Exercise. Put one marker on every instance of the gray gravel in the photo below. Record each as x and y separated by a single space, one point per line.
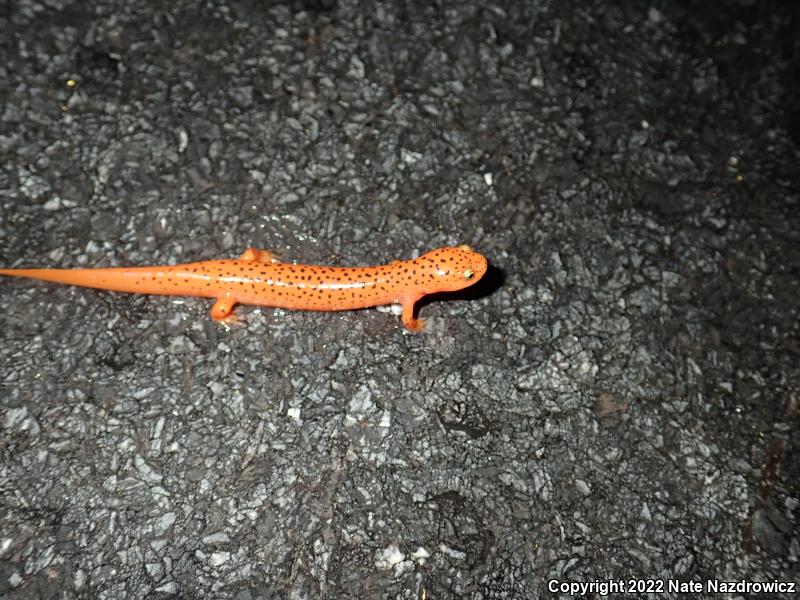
619 400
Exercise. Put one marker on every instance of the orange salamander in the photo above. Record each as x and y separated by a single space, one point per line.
258 277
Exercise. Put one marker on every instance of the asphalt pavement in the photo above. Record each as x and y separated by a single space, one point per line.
615 404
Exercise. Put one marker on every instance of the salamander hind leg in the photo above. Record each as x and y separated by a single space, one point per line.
409 321
262 256
222 311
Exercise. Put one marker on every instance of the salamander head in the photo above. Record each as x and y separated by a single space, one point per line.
453 268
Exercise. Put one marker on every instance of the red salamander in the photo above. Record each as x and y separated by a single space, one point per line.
258 277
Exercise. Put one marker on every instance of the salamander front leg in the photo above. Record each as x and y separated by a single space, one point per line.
222 311
262 256
409 321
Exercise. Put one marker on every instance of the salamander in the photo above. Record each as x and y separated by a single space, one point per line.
258 277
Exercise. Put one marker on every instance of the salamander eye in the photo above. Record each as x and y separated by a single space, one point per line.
468 274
